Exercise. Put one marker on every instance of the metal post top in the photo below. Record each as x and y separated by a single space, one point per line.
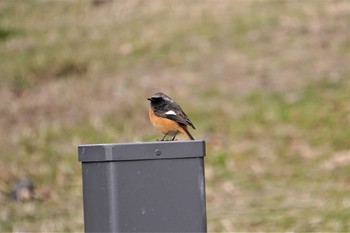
141 151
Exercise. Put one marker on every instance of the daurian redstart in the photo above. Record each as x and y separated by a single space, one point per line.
168 117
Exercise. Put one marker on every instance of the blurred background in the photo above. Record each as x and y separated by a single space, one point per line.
266 83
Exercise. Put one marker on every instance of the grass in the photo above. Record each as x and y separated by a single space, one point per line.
283 161
265 82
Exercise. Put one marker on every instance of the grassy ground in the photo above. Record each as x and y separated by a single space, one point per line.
265 82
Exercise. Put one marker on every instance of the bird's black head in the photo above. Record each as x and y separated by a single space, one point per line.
159 99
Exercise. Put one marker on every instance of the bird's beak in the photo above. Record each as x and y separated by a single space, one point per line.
149 99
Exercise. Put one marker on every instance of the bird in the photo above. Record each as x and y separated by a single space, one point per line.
23 190
168 117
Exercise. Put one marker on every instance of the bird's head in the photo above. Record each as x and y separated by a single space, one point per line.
159 98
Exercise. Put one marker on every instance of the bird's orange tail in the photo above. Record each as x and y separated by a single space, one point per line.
186 133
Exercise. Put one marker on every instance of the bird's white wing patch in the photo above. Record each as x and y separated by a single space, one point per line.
170 112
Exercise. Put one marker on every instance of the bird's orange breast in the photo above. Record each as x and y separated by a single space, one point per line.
164 125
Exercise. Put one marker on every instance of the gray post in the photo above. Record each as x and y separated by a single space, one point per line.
144 187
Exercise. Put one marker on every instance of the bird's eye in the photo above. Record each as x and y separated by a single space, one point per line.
157 99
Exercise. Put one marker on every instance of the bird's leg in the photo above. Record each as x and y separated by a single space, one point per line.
173 138
164 137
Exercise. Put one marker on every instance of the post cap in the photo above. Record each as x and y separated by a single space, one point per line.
141 151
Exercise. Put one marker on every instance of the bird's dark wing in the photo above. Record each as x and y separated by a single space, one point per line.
174 112
181 118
